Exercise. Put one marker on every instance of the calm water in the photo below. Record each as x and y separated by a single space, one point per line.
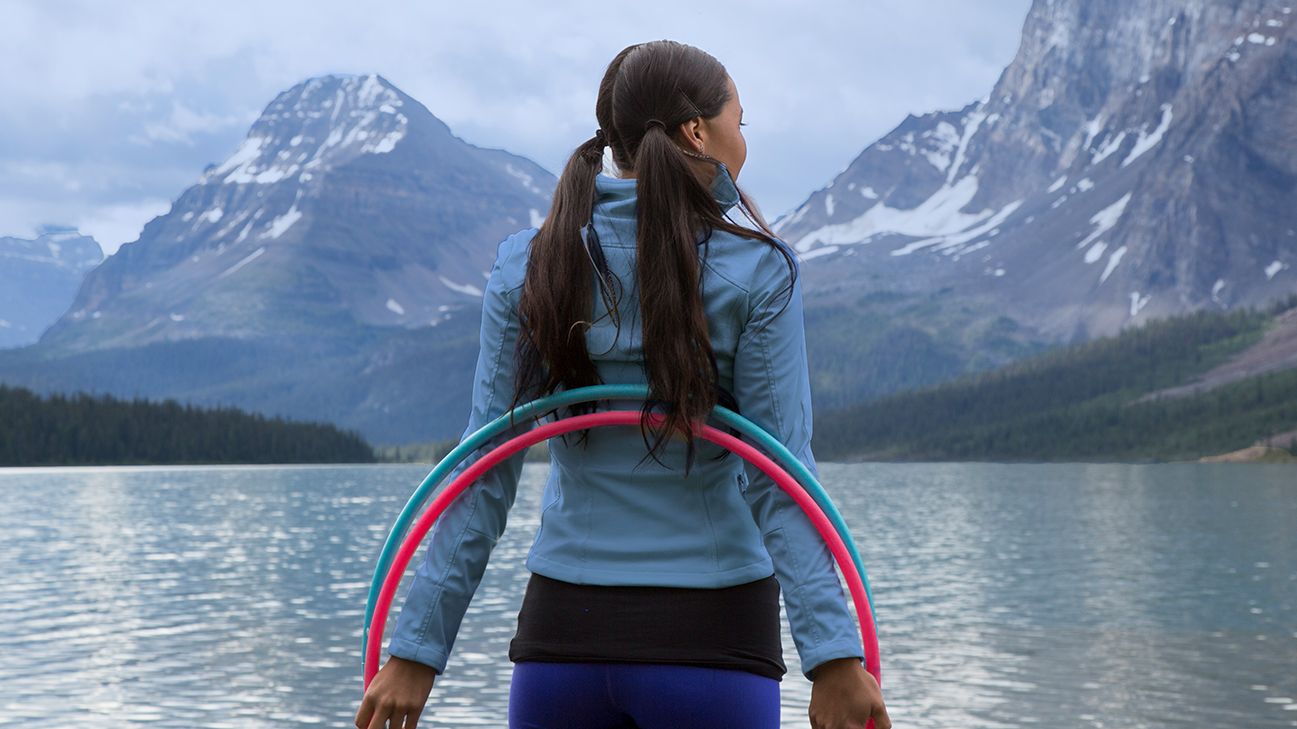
1007 595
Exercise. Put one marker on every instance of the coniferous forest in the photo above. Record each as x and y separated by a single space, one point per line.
1084 402
83 430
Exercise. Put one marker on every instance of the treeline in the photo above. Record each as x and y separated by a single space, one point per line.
1079 402
96 430
433 452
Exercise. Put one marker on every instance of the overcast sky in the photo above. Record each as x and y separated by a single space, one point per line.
111 109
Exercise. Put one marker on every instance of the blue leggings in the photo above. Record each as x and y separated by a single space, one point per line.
545 695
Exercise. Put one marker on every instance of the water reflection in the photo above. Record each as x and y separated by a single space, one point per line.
1008 596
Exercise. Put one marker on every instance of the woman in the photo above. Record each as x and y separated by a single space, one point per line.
653 600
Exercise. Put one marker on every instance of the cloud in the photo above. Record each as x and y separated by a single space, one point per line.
181 124
124 103
112 226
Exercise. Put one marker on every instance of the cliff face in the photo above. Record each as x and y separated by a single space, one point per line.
1135 160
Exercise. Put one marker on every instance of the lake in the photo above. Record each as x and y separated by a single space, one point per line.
1058 595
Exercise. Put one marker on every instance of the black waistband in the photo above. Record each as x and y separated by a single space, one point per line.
730 627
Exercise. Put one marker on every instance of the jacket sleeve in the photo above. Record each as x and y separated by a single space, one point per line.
464 536
772 389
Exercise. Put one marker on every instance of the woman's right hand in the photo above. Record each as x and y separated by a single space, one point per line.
397 694
846 696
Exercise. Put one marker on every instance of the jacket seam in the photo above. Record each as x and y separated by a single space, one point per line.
711 527
708 265
445 574
763 337
589 527
459 541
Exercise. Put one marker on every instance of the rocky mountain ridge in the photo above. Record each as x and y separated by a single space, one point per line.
1134 161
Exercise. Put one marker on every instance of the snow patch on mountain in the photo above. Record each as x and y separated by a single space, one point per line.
469 289
1108 148
1113 260
1216 289
281 224
950 243
939 215
1104 220
527 180
821 251
1095 252
1092 130
1138 302
243 262
1149 140
971 124
944 139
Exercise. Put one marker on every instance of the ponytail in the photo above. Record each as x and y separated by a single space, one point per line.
648 91
553 310
679 360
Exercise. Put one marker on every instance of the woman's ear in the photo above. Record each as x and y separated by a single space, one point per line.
695 134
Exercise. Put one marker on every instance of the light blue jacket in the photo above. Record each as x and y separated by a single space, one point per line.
606 521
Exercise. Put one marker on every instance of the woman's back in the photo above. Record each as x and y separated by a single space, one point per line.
612 516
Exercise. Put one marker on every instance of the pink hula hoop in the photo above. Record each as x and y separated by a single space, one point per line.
618 417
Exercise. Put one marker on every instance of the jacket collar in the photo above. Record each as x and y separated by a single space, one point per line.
615 196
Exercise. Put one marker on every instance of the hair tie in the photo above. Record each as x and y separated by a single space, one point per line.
654 123
600 139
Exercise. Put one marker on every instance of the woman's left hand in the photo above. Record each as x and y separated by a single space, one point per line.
845 696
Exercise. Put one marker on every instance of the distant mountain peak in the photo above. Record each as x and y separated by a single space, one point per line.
57 232
39 278
60 246
316 124
347 205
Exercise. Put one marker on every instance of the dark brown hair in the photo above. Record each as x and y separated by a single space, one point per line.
676 212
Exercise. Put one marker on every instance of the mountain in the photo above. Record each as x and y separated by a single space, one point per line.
38 279
331 268
347 205
1134 161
